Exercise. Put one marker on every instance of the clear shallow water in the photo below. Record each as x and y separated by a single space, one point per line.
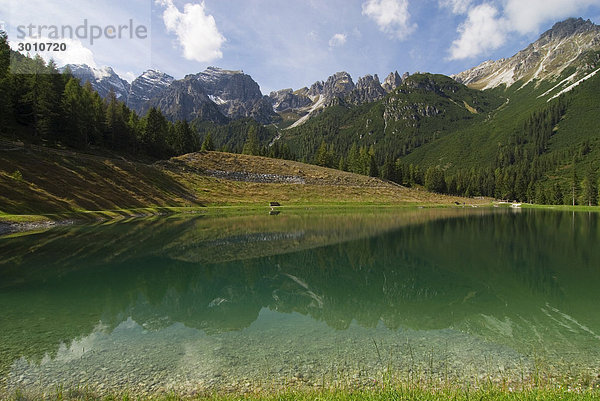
198 303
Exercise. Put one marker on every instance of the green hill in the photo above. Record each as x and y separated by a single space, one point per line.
64 184
424 108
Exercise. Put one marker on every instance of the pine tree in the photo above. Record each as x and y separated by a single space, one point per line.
207 144
252 145
75 123
435 181
45 101
115 123
4 55
182 138
373 168
574 183
321 157
6 111
388 171
353 159
155 132
590 187
98 123
558 194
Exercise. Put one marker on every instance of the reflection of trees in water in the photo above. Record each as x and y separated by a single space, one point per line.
439 274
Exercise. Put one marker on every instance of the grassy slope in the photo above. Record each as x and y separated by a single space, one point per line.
581 123
475 146
39 180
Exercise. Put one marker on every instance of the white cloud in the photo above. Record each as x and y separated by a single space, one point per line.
481 32
527 16
487 26
457 6
196 31
339 39
391 16
76 52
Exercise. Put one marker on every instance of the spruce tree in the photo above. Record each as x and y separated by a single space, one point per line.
574 183
155 132
353 159
6 111
590 187
75 124
207 144
252 145
321 157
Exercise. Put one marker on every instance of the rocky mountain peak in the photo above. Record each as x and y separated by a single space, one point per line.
338 85
148 85
367 80
367 89
392 81
212 74
228 84
569 27
286 99
103 79
155 75
562 46
214 94
316 89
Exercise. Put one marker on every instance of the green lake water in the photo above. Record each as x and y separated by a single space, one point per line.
305 299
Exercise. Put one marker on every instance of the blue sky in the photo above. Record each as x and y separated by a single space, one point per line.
294 43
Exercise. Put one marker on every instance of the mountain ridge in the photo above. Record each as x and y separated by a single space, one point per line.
232 92
235 94
545 59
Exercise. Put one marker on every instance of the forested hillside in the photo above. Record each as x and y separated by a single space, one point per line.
42 106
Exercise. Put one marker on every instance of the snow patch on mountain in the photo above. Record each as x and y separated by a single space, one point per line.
573 86
315 107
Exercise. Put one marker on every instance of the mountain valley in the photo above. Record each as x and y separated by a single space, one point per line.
522 128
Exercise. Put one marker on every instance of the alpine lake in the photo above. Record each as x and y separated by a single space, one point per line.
315 298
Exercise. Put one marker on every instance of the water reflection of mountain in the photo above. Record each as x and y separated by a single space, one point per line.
511 278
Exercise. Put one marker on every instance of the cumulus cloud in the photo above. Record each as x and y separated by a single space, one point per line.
339 39
482 31
196 31
76 52
457 6
527 16
488 25
391 16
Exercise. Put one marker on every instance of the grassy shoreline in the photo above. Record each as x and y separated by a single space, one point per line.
399 392
28 222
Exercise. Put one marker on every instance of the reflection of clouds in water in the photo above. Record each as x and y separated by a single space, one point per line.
89 343
502 327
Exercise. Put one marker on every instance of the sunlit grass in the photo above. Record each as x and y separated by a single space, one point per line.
58 185
392 393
